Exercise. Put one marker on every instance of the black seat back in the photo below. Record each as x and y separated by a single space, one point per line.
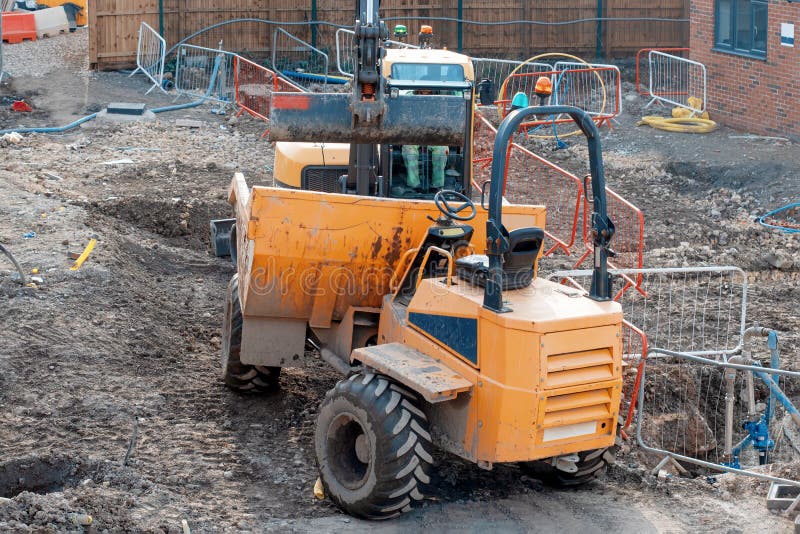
524 247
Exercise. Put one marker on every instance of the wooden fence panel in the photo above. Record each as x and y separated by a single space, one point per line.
114 25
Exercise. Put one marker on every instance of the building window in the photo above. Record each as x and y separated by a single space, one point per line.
741 27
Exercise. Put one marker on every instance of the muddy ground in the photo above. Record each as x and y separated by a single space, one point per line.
129 343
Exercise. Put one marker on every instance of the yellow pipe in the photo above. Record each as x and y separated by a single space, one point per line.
84 255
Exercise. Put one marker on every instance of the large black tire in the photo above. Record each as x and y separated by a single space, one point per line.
238 376
590 465
373 447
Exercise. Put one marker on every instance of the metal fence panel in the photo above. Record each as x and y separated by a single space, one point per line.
693 310
497 70
298 60
703 412
597 89
675 80
197 69
643 65
345 51
150 56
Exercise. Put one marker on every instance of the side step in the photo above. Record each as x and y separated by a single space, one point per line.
423 374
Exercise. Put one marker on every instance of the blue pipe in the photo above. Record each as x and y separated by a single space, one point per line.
779 394
52 129
202 99
786 229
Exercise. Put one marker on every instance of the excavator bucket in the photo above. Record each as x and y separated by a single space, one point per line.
407 119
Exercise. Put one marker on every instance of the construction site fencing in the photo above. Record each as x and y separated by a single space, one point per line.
676 80
708 414
346 50
595 89
254 85
643 66
531 179
483 136
694 310
628 240
197 69
150 56
298 60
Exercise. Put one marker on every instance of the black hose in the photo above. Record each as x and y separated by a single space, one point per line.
14 261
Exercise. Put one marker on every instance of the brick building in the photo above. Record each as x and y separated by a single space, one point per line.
752 61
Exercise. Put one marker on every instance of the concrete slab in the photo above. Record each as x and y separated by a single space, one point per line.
104 119
126 108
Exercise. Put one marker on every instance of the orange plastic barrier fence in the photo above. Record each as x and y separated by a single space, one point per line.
643 66
18 26
254 87
634 353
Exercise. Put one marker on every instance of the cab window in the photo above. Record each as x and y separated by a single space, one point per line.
428 71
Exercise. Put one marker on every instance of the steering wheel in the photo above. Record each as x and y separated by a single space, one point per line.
443 205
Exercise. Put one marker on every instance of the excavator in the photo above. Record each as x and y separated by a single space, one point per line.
421 99
431 311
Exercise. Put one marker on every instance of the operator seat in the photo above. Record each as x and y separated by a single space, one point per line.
519 262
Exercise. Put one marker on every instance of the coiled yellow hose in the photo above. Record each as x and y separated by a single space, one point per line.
680 124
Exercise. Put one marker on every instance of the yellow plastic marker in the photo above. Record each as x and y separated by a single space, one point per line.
84 255
34 271
319 492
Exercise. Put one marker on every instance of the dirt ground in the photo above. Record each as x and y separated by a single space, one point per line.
128 345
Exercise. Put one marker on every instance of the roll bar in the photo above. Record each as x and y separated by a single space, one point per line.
602 227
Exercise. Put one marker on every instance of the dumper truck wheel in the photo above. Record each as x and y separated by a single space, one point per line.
373 447
238 376
590 465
